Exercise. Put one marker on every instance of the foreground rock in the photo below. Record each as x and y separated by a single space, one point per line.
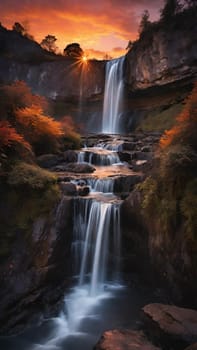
124 340
75 168
171 324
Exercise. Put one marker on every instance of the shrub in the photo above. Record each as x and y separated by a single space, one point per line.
42 132
71 137
30 176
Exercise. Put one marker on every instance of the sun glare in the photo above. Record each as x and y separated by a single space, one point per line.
84 59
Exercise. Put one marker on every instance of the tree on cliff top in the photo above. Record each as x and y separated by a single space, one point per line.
73 50
22 29
170 9
48 43
144 23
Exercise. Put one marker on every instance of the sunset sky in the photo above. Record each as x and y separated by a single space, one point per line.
99 26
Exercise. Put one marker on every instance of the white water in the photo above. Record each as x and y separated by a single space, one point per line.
113 96
98 156
101 185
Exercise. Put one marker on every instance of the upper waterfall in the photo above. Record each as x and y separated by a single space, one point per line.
113 96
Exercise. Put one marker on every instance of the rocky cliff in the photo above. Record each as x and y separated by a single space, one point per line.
34 275
50 75
165 53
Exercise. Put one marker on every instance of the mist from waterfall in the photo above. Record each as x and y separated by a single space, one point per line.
113 96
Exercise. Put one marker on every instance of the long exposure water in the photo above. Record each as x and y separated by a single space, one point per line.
113 96
98 299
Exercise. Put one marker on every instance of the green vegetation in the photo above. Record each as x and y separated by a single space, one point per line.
27 191
30 176
160 121
170 194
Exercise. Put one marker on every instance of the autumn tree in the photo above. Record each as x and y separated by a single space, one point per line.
48 43
73 50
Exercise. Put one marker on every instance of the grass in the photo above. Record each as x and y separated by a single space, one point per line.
160 121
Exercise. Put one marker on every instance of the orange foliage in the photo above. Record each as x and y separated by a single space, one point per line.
186 129
9 136
18 95
39 130
36 124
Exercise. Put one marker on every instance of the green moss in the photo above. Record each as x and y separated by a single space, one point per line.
30 176
160 121
31 193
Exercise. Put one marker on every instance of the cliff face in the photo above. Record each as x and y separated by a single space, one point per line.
164 54
34 275
47 74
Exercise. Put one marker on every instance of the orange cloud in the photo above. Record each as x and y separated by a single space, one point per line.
100 26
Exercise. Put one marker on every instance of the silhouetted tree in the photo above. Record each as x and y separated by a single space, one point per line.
170 9
129 45
73 50
144 23
22 29
48 43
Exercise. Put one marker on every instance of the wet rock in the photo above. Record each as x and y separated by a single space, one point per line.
124 184
70 156
75 168
68 188
124 156
147 148
49 160
124 340
140 165
128 146
83 190
172 324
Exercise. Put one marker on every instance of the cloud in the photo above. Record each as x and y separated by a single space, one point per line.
100 25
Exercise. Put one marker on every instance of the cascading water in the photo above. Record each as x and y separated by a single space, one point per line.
98 156
113 96
101 185
96 224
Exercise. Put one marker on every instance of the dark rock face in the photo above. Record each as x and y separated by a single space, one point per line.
124 340
34 277
160 57
47 74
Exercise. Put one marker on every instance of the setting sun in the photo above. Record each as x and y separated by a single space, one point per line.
84 59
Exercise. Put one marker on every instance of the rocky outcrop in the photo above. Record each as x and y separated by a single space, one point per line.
170 324
36 272
124 340
165 326
164 54
75 168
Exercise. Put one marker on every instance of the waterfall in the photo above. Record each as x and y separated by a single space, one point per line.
101 185
113 96
96 233
98 156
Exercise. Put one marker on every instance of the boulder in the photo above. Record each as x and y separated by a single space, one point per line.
83 190
124 340
128 146
70 156
49 160
75 168
172 324
68 188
